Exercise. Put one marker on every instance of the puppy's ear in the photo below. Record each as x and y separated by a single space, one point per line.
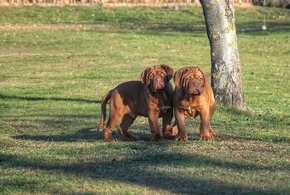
144 77
168 70
204 75
178 76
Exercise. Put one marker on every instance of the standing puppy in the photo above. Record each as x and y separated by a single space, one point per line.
151 97
193 96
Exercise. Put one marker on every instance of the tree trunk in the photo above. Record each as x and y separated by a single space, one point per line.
225 61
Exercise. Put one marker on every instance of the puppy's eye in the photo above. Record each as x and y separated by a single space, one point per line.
151 76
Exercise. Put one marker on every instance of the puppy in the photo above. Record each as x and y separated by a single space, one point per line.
151 97
193 96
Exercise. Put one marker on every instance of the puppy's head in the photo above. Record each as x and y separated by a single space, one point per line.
156 77
191 80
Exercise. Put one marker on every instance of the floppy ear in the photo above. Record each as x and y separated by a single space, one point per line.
168 70
178 76
204 75
144 77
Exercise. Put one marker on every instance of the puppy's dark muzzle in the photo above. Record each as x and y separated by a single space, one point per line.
159 84
193 92
194 88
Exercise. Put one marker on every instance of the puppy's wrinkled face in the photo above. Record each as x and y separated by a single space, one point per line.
158 80
193 82
157 77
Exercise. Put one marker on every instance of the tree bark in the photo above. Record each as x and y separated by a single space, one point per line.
225 61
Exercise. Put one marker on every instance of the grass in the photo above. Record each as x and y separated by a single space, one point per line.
57 63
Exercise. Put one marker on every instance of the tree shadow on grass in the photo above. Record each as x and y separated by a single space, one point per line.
255 28
90 134
153 170
29 98
87 134
142 131
273 139
199 28
248 120
250 28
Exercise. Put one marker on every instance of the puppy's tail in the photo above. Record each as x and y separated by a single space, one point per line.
105 100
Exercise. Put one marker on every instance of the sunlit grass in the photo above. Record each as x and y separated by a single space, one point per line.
54 74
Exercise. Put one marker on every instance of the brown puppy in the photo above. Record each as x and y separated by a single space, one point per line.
151 97
193 96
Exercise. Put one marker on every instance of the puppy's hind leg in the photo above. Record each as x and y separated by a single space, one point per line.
112 122
127 121
116 114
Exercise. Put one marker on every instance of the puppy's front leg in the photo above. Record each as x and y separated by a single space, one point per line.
169 131
180 119
153 122
206 133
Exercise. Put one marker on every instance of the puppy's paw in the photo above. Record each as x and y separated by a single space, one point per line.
206 136
110 139
183 137
156 138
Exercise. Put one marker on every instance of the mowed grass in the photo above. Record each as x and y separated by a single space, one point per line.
57 63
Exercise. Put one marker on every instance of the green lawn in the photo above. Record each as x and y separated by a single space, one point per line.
57 63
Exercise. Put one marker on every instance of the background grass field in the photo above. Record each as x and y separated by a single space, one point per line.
57 63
